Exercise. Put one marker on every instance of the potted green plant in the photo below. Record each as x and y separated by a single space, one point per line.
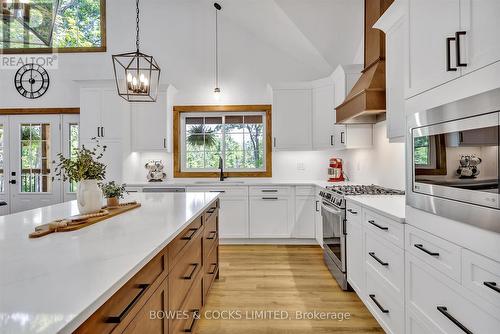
85 168
113 192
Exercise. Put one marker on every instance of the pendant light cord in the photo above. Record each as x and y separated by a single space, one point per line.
216 49
137 25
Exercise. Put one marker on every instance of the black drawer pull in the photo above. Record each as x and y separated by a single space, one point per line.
217 191
444 311
190 276
270 198
196 316
212 235
118 319
353 212
421 247
377 225
492 285
212 210
372 254
372 297
214 265
269 190
189 235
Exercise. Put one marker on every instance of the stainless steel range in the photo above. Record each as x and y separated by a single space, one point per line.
333 211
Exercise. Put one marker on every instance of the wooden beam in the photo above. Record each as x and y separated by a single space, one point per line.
38 111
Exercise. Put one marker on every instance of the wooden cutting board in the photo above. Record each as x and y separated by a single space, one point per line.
74 223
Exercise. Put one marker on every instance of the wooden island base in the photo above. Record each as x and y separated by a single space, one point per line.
168 293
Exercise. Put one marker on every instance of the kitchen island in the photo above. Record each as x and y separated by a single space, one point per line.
63 282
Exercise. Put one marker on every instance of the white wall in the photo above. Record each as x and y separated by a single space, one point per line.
383 165
180 35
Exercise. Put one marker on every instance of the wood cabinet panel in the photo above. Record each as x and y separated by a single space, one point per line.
182 240
211 270
190 310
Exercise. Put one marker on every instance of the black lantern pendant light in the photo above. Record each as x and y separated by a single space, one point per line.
137 74
217 87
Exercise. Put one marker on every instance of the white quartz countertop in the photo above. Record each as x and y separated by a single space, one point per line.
54 283
391 206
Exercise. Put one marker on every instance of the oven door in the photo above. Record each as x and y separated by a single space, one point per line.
334 233
458 160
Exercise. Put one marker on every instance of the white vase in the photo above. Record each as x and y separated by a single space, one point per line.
89 196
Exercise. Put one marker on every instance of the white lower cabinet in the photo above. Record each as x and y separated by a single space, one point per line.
271 216
355 258
318 219
440 301
305 208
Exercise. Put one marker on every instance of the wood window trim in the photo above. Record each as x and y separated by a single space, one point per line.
440 149
102 48
39 111
178 110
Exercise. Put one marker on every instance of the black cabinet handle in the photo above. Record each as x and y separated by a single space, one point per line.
196 313
102 131
164 142
190 276
317 207
342 139
457 37
344 227
353 212
378 226
448 55
372 254
119 318
492 285
274 141
98 131
331 140
212 235
423 249
217 191
189 235
212 210
270 198
444 311
372 297
3 203
269 190
213 271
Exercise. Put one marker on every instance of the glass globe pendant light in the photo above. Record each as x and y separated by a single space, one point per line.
137 74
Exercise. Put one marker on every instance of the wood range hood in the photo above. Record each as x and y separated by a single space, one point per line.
365 103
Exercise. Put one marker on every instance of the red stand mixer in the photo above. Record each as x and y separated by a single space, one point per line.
335 171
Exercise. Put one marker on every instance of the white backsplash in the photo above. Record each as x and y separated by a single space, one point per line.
384 164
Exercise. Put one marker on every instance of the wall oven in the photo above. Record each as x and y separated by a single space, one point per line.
453 160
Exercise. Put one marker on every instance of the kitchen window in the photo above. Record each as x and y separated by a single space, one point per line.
37 26
240 137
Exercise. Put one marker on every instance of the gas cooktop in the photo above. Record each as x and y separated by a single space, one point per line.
349 190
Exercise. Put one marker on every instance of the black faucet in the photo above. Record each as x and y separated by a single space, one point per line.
221 167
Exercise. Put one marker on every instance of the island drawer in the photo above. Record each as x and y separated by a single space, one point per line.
190 311
127 301
180 241
213 210
211 268
270 191
210 234
184 272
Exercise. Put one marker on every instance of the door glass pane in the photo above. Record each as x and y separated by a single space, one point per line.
2 185
73 149
36 162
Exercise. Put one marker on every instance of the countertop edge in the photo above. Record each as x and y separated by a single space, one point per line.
79 319
384 213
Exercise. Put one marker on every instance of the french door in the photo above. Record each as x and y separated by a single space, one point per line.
35 141
4 166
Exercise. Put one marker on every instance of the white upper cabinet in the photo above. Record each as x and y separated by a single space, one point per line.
394 24
432 58
101 114
323 117
480 46
149 124
448 39
292 119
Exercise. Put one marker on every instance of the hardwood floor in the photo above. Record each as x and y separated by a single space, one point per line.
282 278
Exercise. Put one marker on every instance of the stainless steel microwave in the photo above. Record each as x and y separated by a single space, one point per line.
453 160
